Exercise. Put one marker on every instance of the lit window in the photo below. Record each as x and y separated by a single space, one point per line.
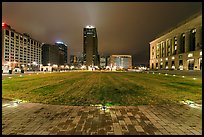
190 55
201 53
173 58
166 58
194 31
161 59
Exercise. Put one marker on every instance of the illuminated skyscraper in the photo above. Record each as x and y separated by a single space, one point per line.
90 48
64 49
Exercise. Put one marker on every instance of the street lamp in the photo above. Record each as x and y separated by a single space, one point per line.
34 64
49 66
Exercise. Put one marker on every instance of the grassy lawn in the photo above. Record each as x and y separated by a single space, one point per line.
115 88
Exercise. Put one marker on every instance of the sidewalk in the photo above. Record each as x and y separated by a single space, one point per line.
42 119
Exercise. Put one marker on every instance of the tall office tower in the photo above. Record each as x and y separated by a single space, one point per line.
63 47
90 49
50 55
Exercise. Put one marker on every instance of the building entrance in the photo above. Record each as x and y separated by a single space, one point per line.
191 64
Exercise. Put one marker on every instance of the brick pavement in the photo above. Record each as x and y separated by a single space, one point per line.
42 119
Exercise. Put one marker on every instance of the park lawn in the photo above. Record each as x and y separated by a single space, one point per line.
110 88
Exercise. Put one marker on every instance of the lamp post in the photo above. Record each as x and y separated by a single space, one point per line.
34 65
29 66
48 66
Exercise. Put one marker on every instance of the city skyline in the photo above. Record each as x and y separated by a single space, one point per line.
123 28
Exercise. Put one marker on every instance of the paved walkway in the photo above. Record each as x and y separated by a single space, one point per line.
41 119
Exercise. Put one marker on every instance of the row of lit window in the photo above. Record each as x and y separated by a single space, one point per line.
17 37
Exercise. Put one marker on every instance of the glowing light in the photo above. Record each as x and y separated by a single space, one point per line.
173 58
89 27
59 42
194 78
3 24
34 63
48 64
161 59
83 67
159 73
190 55
71 67
174 75
166 58
183 76
201 53
166 74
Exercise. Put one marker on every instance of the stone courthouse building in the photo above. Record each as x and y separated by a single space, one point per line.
180 48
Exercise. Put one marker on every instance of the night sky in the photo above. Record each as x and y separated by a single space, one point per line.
122 28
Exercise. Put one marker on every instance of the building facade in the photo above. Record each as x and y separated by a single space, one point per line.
51 55
103 62
19 50
73 60
90 47
64 49
121 61
180 48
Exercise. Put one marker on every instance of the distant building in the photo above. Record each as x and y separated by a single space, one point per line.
121 61
103 62
180 48
73 59
19 50
64 49
51 55
90 47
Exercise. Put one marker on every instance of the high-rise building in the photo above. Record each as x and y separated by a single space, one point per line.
63 47
51 55
121 61
90 47
180 48
19 50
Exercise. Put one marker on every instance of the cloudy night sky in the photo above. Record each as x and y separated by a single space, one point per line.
122 27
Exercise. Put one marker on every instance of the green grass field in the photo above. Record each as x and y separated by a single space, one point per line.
91 88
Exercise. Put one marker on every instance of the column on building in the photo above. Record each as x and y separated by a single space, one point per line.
172 46
166 46
160 50
178 43
187 41
198 38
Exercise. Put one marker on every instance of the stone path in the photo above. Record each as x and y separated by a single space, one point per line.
41 119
